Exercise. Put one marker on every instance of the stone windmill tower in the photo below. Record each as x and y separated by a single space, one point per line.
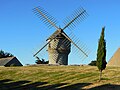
59 43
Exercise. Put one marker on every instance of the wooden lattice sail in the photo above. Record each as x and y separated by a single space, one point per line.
59 43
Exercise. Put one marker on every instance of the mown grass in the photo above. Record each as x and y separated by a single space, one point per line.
58 78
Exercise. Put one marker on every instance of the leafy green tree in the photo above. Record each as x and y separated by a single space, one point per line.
38 61
101 53
5 54
92 63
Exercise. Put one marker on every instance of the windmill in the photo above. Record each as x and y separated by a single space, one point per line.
59 43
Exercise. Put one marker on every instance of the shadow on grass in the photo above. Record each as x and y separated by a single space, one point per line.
106 87
77 86
8 84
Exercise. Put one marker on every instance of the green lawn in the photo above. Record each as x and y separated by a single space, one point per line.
58 78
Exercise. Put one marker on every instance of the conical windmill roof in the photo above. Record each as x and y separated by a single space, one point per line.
115 59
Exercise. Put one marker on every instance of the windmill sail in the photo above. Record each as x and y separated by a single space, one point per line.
75 44
79 15
45 17
59 43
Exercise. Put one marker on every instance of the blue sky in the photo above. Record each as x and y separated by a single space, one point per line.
22 33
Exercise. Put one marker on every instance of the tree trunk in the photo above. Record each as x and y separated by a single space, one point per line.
100 75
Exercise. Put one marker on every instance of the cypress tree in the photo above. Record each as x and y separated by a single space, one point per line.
101 53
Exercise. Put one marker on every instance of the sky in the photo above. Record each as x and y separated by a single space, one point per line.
22 33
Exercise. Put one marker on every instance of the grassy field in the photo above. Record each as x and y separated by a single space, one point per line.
58 78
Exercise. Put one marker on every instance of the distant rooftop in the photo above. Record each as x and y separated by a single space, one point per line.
9 60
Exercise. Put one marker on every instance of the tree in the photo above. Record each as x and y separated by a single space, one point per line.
38 61
42 61
92 63
101 53
5 54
